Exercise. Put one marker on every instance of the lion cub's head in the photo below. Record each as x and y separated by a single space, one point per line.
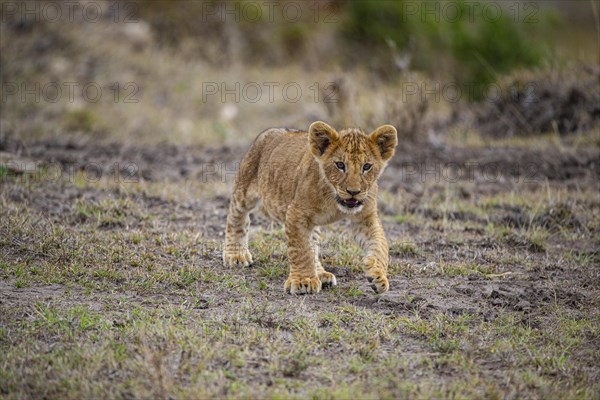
351 161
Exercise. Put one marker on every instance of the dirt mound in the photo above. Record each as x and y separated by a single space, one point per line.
531 103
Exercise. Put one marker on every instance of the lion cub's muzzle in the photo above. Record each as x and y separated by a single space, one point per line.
350 203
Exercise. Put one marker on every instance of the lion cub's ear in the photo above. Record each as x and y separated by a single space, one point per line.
320 137
385 138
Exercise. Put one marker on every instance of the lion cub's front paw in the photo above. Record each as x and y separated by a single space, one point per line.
302 285
241 257
327 279
379 282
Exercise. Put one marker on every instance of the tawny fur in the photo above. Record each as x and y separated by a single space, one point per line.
297 176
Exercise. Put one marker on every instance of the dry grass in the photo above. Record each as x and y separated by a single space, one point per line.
114 288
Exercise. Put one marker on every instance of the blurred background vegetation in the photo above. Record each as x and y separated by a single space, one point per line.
354 61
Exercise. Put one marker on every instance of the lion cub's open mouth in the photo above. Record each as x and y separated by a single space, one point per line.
350 203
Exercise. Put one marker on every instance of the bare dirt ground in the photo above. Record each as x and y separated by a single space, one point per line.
111 281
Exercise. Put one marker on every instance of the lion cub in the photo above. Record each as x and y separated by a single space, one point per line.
308 179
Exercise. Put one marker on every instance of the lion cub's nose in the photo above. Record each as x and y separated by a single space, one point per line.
353 192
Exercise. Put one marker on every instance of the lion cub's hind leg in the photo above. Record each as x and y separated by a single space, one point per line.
236 234
327 278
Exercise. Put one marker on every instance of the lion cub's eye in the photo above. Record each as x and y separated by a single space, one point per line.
340 165
367 167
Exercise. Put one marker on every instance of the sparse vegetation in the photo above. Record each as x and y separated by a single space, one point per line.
112 213
127 298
